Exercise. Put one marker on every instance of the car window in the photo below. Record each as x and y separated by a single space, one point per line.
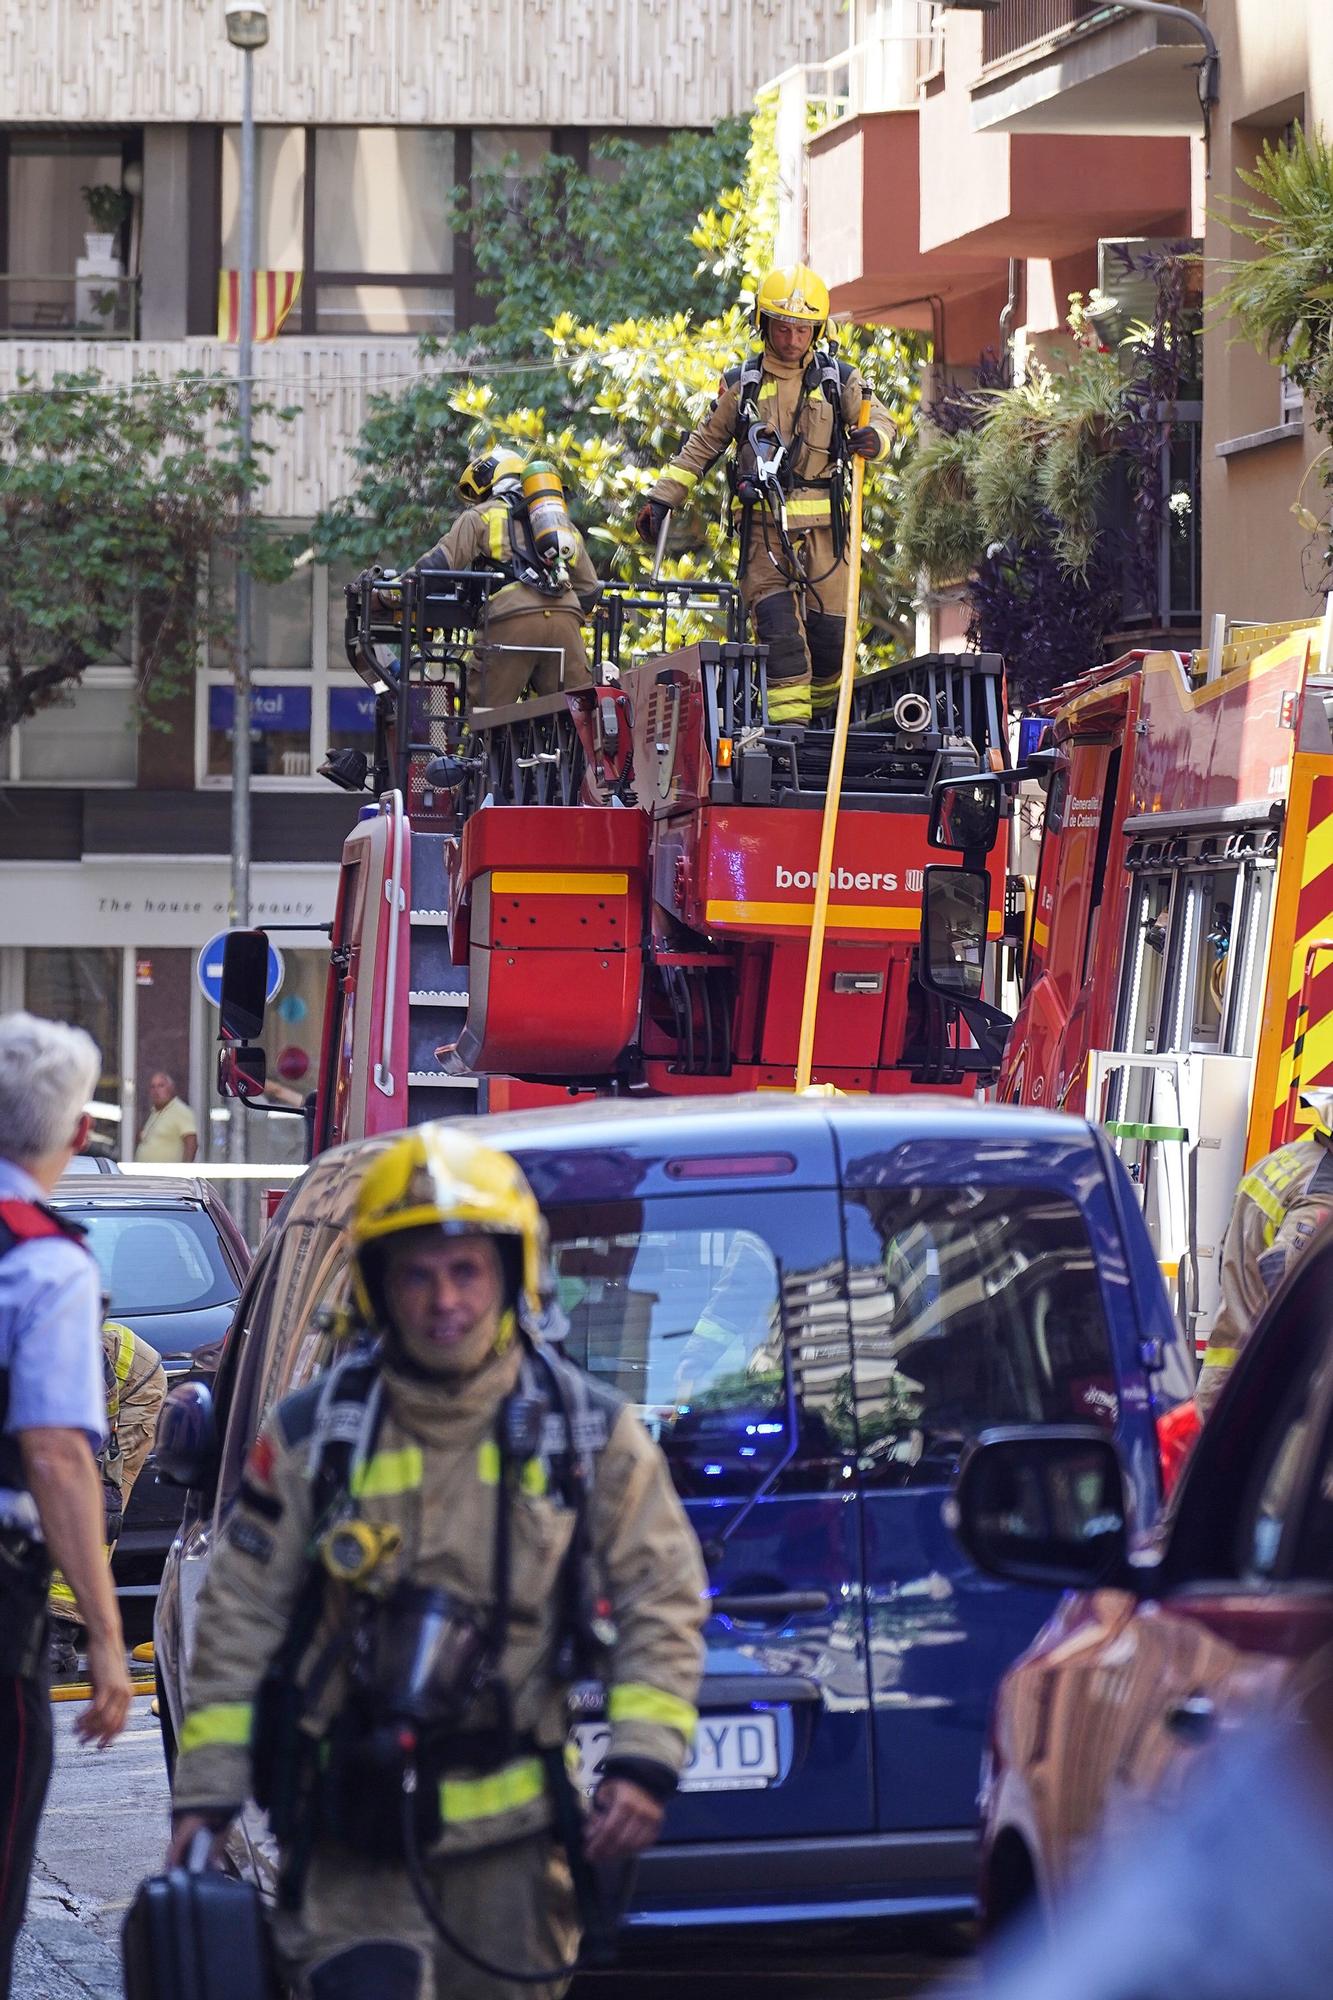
157 1260
690 1308
971 1306
311 1274
1272 1486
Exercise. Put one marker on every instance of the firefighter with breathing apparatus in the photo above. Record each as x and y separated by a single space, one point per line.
431 1544
518 525
1284 1200
790 415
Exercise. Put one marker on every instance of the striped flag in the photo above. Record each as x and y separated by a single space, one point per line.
276 292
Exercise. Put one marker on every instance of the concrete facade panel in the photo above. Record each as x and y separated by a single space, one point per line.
429 62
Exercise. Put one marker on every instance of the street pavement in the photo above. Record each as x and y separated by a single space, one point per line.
105 1828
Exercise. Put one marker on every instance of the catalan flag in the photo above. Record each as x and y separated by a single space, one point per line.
276 292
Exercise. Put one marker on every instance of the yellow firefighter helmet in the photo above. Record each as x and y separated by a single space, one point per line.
792 292
437 1178
482 475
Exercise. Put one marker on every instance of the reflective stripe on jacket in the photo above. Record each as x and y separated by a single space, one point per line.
1281 1203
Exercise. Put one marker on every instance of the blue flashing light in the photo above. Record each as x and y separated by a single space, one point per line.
747 1451
769 1430
712 1471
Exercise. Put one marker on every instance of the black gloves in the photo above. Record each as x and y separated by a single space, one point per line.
864 441
648 521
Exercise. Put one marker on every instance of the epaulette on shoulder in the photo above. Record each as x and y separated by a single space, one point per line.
295 1414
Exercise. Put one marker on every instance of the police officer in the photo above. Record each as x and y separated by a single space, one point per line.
1281 1203
533 633
482 1517
52 1419
135 1383
792 415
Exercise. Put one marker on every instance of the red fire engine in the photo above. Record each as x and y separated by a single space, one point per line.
1179 976
611 889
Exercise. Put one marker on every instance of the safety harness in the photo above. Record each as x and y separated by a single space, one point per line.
762 474
549 1434
512 548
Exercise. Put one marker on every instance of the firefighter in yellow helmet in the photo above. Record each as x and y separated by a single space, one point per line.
533 636
1283 1201
136 1385
430 1546
790 417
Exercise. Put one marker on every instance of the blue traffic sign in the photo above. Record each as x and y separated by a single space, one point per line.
208 969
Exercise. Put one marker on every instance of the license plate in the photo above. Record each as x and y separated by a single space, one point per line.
730 1753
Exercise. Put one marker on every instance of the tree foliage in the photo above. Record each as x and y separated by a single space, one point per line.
1281 298
1010 492
111 502
659 306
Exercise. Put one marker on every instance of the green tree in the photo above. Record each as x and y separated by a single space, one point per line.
112 500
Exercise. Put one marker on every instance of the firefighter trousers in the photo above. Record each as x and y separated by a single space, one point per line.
541 650
802 628
361 1934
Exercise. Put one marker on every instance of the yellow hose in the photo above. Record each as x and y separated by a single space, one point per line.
833 797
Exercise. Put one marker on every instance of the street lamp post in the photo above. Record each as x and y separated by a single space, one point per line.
247 30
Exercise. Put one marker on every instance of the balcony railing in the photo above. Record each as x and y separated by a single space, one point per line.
1016 23
61 306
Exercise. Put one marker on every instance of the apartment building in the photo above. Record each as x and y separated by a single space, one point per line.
977 162
113 842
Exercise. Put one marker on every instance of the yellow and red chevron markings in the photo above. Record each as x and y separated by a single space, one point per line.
1307 1019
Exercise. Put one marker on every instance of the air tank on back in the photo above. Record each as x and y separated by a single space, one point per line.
548 516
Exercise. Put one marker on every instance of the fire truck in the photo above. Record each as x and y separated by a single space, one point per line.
1178 983
610 889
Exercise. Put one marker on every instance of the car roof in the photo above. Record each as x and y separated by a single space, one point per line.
131 1190
636 1135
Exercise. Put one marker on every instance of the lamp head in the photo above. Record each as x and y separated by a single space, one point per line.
247 23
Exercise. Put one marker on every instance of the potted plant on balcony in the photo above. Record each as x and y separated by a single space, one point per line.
107 208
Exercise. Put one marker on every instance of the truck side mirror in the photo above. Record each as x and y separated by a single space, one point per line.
186 1452
965 814
242 1072
955 905
244 986
1045 1507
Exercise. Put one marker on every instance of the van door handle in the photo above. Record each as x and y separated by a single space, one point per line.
1193 1719
771 1606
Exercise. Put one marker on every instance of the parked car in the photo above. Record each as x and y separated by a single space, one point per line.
173 1263
1175 1630
814 1304
92 1163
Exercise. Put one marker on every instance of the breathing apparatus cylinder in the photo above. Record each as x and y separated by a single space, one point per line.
548 517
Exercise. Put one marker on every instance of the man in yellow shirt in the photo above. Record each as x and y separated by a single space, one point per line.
169 1134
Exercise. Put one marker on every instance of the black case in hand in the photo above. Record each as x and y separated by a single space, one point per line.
197 1936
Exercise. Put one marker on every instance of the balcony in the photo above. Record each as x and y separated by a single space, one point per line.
69 306
1081 66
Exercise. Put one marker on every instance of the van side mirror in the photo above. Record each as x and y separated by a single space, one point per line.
965 814
242 1072
1044 1507
186 1452
244 986
955 906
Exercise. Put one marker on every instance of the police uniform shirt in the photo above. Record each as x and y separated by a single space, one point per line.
50 1339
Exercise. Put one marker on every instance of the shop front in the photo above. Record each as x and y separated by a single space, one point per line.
112 944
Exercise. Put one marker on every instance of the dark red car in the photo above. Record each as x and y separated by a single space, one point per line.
1166 1640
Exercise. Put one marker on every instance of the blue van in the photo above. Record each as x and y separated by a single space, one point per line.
815 1304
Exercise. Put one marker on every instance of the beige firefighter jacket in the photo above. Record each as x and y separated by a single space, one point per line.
480 538
136 1384
799 415
1281 1203
434 1475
